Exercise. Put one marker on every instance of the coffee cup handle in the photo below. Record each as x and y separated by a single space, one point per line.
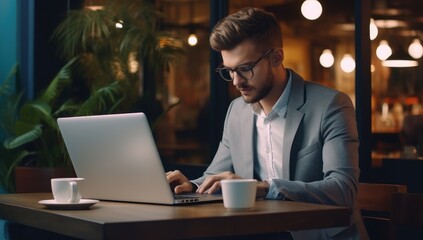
75 197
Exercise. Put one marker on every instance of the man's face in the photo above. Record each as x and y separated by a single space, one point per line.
258 87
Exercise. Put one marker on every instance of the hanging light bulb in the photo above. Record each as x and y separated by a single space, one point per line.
311 9
415 49
326 59
383 51
373 29
347 63
192 39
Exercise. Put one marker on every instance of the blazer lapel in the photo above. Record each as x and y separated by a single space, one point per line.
247 146
293 120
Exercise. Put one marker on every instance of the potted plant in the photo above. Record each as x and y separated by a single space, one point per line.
98 78
122 42
9 101
34 138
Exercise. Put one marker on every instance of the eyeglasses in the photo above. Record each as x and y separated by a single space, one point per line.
245 71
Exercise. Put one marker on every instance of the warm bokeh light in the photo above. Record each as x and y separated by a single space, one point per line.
95 7
373 29
192 39
326 59
133 64
383 51
119 24
399 59
400 63
347 63
415 49
311 9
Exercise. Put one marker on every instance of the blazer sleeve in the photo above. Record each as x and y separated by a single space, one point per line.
338 152
222 160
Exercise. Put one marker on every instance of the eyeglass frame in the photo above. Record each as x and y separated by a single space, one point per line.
236 69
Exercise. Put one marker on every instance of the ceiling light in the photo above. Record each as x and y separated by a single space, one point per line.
347 63
415 49
383 51
373 29
399 58
311 9
326 59
400 63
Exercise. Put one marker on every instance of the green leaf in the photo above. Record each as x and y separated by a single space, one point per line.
102 100
7 86
18 141
35 112
84 31
59 82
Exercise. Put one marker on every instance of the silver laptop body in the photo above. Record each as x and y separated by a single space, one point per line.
118 157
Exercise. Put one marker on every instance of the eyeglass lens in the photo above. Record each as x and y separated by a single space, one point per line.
245 72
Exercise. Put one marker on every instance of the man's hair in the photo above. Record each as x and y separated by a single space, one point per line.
253 24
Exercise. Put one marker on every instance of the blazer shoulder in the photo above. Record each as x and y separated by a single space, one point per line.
316 92
316 88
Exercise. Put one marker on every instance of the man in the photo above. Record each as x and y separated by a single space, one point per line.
299 139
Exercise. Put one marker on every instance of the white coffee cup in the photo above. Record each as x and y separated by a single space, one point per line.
239 194
65 190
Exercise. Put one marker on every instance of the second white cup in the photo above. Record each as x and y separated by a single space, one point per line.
65 190
239 194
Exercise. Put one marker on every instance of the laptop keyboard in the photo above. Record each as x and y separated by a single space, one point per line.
188 195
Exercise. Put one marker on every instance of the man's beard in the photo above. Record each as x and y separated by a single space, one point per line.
262 91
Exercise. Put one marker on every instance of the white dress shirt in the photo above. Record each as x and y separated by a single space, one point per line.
269 137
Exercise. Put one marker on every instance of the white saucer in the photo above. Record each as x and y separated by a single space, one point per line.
83 204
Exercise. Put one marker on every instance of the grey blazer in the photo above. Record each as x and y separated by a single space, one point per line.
320 153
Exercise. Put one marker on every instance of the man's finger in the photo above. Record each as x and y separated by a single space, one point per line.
214 187
182 188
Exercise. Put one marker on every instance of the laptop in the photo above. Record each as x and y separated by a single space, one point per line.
118 157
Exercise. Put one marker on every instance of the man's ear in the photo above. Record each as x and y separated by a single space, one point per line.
277 57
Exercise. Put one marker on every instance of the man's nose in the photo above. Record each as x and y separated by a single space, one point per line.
238 79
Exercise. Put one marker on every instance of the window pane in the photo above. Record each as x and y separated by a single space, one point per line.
182 135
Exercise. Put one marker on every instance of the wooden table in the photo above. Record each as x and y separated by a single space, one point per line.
119 220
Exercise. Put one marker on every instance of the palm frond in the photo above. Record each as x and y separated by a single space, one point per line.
169 50
84 31
25 138
7 86
9 112
68 108
59 82
35 112
102 100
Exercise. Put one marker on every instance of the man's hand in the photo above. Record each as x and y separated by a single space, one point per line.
178 182
181 184
212 182
262 189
